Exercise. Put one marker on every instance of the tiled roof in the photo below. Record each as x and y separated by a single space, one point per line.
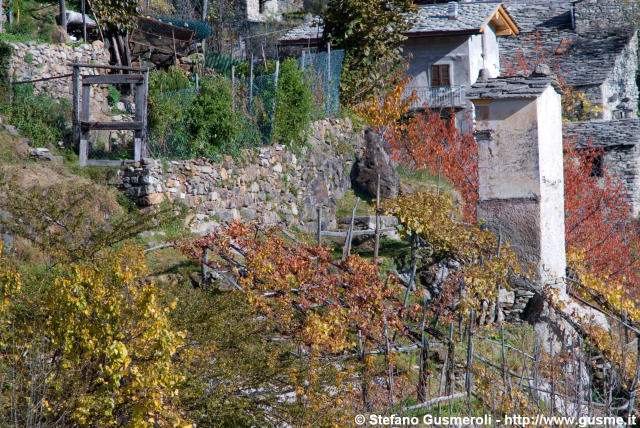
510 88
608 133
310 31
434 18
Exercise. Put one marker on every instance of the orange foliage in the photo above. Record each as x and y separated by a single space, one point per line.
429 141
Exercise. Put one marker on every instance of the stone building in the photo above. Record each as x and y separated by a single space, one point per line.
597 60
447 46
520 169
620 155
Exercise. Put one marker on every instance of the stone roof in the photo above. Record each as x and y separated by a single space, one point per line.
580 60
310 32
584 59
471 18
531 15
510 87
609 133
430 19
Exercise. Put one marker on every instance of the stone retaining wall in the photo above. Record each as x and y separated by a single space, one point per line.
270 184
31 60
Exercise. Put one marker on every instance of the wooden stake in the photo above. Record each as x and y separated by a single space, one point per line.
376 246
84 22
410 285
319 231
251 79
424 354
233 87
346 251
468 377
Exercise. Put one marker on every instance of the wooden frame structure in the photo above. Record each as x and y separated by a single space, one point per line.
81 123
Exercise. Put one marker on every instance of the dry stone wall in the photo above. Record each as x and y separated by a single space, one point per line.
31 61
268 184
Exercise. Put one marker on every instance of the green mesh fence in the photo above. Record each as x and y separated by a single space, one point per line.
172 140
323 72
219 62
254 106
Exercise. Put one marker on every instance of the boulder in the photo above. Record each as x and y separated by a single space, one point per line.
374 160
58 35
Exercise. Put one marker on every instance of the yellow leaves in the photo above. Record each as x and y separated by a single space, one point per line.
484 266
99 317
384 110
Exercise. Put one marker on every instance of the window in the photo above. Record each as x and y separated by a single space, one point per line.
261 6
440 75
482 112
597 169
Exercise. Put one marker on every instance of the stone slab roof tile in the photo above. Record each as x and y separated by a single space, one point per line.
510 88
531 15
310 31
430 18
610 133
585 60
471 18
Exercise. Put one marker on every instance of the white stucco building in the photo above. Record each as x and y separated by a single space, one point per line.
520 170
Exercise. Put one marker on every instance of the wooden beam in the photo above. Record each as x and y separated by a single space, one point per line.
112 79
111 126
107 66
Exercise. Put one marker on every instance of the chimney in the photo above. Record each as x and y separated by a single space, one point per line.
453 10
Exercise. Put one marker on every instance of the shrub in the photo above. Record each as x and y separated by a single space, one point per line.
28 57
40 118
294 106
173 79
170 95
113 95
211 119
5 55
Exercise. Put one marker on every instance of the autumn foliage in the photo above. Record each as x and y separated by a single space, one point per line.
425 140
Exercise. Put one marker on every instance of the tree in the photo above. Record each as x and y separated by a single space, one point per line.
86 344
63 14
211 118
117 15
294 106
371 32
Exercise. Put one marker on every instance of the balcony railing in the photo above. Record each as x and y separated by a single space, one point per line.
436 97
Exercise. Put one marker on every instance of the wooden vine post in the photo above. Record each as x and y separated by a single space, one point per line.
376 246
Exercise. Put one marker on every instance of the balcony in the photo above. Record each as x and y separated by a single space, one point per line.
437 97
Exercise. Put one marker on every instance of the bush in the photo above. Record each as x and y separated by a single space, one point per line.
5 55
40 118
173 79
170 95
113 95
211 119
294 106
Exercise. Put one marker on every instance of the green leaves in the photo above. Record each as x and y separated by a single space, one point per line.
294 106
370 32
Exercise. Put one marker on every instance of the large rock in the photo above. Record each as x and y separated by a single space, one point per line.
374 160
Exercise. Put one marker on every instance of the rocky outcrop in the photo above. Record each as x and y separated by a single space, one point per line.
267 184
375 161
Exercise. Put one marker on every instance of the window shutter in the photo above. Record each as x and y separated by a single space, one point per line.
435 75
440 75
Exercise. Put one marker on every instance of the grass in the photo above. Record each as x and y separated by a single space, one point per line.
422 179
345 205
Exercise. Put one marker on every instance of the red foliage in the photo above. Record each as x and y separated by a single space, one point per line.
429 141
598 217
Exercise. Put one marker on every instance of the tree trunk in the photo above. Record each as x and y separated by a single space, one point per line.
1 16
205 9
63 14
